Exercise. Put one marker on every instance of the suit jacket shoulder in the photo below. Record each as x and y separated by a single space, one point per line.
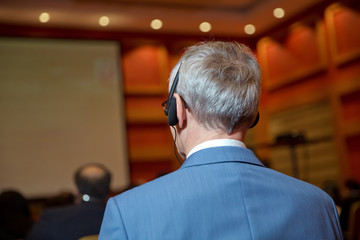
222 193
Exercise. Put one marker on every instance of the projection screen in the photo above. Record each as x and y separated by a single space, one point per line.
61 106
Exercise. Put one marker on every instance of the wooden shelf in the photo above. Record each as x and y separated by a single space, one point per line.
147 116
146 91
151 153
296 76
346 87
352 128
347 57
298 56
145 109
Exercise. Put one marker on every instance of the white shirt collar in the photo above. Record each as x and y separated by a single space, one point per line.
216 143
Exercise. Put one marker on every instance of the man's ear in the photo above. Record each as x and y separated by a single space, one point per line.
180 111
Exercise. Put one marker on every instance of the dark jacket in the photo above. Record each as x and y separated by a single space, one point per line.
69 223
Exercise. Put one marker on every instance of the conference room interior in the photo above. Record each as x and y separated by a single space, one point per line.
309 53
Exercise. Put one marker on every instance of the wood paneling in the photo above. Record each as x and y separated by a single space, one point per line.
299 55
344 39
145 69
316 155
310 64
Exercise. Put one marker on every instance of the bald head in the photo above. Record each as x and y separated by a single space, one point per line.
92 172
93 179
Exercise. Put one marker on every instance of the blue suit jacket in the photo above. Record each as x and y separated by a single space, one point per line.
222 193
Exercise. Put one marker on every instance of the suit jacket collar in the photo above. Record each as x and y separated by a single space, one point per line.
222 155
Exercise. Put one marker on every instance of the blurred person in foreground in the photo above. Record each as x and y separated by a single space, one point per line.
15 215
75 221
221 191
352 197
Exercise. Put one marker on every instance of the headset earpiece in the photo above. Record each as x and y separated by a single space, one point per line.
256 120
172 114
170 109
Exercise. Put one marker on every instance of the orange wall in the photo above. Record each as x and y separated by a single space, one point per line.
318 60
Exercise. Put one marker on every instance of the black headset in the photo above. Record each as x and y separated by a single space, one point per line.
170 109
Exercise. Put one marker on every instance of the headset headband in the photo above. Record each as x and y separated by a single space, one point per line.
172 90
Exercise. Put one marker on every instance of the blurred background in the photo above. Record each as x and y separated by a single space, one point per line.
83 80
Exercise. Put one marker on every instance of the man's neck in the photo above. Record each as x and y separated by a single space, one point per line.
199 134
216 143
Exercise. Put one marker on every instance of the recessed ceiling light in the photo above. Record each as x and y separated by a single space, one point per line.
104 21
279 12
205 27
156 24
44 17
250 29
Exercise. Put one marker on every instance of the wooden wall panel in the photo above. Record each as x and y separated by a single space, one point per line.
342 22
353 149
145 69
145 108
142 172
149 142
293 58
328 72
316 157
351 105
143 134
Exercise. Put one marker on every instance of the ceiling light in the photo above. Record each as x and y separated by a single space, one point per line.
44 17
279 12
205 27
156 24
104 21
249 29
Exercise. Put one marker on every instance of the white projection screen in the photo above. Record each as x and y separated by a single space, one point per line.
61 106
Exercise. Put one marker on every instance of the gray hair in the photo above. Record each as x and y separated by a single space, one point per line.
220 82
